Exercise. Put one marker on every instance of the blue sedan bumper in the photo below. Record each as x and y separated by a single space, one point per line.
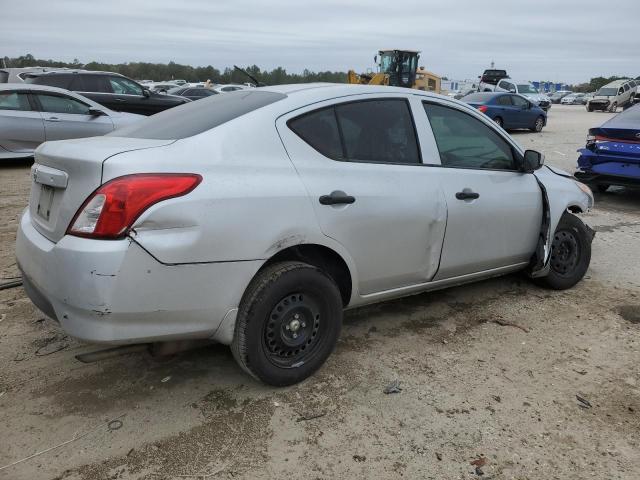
610 163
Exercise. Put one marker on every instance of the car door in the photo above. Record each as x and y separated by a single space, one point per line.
129 96
360 162
21 125
524 115
505 110
66 117
494 211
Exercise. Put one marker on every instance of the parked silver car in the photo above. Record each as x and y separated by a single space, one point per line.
254 217
33 114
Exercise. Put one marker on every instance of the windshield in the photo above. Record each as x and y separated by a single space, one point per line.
196 117
175 90
526 88
389 62
607 92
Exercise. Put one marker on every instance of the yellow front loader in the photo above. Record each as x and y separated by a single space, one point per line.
398 68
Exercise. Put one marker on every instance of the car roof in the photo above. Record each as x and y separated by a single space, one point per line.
73 72
617 83
31 86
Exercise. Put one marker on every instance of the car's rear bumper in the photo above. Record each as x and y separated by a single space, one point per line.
115 292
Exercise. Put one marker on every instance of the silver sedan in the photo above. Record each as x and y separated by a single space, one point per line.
31 115
255 217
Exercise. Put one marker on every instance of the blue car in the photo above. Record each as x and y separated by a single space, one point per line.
612 154
509 110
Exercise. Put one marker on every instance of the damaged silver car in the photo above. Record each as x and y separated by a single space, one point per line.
254 218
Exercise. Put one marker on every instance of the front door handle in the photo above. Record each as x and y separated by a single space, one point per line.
52 119
467 194
337 197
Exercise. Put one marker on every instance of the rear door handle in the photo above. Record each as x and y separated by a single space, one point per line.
467 194
52 119
120 99
337 197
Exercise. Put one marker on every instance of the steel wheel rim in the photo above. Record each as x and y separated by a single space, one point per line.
539 125
565 253
294 330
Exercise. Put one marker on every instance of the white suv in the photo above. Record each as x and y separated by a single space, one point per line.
613 95
526 89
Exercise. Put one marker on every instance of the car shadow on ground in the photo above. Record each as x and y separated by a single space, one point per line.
618 199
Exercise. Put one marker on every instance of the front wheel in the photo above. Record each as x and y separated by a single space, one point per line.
614 107
570 253
288 323
538 126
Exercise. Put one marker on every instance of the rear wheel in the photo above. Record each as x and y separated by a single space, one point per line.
498 121
539 125
570 253
288 323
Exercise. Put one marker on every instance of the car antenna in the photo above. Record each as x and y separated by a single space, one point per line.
258 83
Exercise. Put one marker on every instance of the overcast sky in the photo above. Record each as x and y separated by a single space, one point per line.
567 40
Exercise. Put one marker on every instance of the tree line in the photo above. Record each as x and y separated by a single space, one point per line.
173 71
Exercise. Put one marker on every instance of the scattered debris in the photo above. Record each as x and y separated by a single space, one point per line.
166 379
580 372
504 323
444 341
52 345
479 463
276 404
359 458
311 416
115 425
372 329
439 456
130 452
19 357
3 316
75 438
393 387
496 398
584 403
631 313
11 284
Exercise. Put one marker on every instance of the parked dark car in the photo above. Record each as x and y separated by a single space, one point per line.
612 153
192 93
112 90
509 110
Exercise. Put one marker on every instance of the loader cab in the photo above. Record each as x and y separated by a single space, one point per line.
400 66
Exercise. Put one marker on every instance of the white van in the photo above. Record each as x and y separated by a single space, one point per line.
619 93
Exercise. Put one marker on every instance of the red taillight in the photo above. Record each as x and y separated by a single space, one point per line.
483 108
110 211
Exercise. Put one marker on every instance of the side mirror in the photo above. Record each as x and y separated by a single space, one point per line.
532 161
146 92
375 59
96 112
512 90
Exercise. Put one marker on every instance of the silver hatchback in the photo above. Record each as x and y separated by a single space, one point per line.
255 217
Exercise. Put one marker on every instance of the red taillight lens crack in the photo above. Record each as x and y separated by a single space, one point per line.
111 210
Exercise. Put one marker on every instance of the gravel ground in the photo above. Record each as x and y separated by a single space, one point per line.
491 373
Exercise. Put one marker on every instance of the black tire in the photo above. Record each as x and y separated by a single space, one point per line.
570 253
589 109
602 187
498 121
614 107
288 323
539 125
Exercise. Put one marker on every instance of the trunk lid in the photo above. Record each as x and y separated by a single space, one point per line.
65 173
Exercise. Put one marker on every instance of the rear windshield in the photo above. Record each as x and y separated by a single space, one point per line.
197 117
478 97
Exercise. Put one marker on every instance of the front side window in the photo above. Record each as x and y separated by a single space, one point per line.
466 142
62 104
378 131
124 86
519 101
14 101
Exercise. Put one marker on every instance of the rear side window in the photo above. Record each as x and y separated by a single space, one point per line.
54 80
504 100
14 101
4 76
91 83
197 117
379 131
466 142
320 130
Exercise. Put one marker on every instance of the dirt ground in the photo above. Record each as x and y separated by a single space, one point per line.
504 396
